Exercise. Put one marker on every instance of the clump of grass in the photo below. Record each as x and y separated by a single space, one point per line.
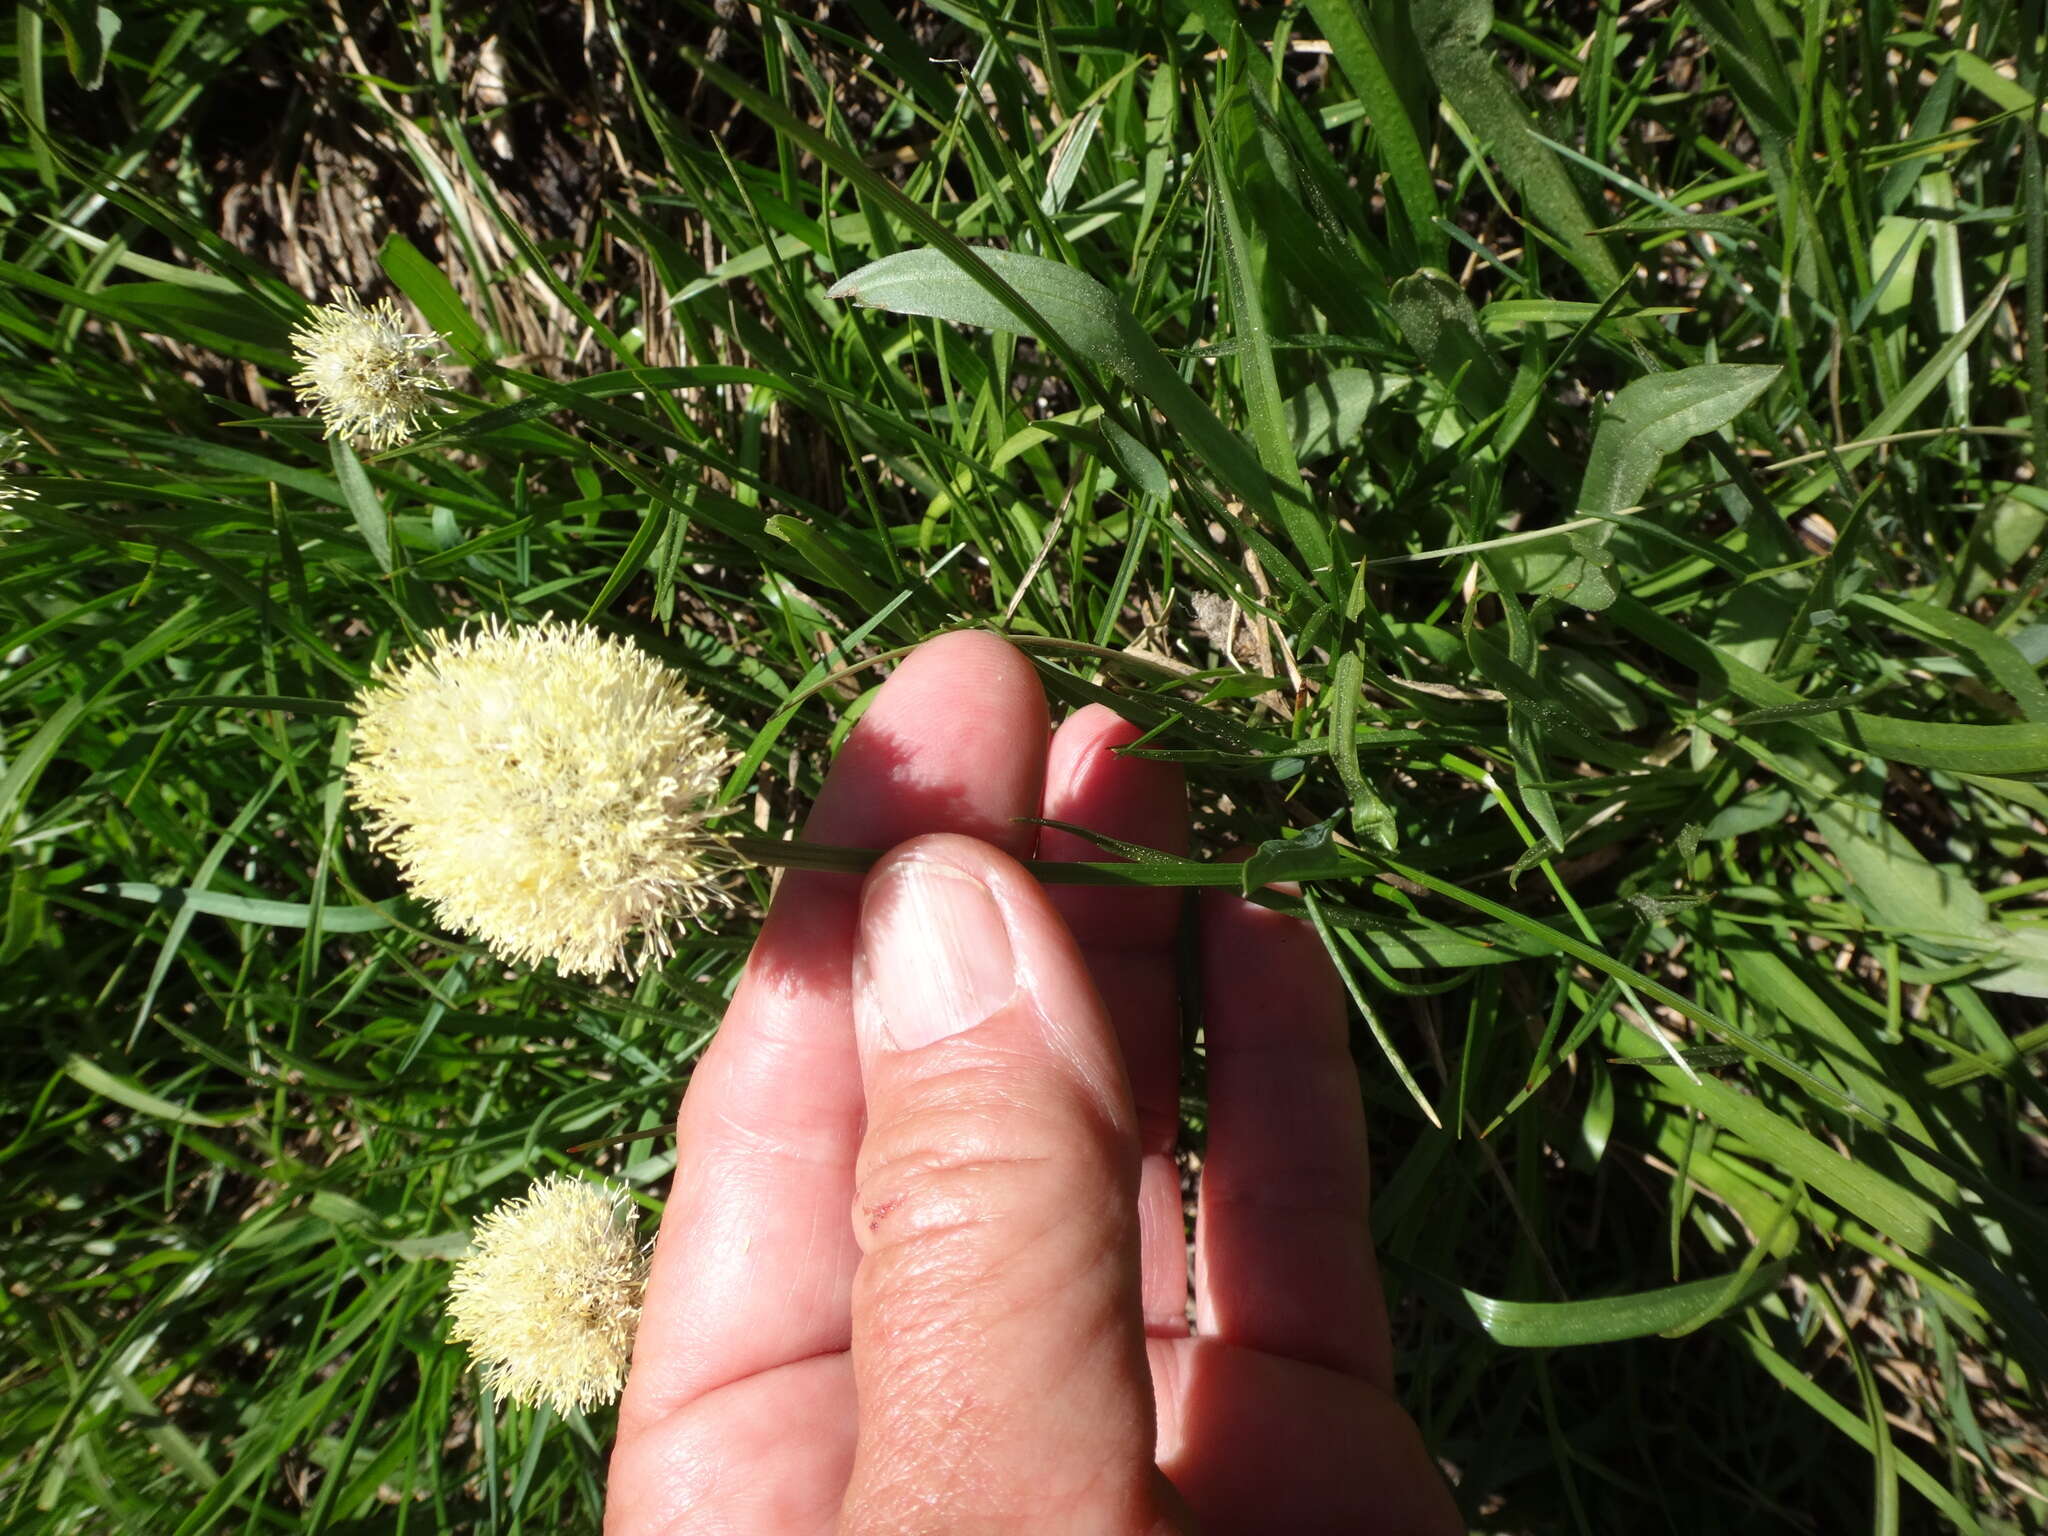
1566 483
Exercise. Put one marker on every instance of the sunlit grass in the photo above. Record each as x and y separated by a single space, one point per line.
1576 480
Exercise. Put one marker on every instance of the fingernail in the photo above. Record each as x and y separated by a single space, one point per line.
934 956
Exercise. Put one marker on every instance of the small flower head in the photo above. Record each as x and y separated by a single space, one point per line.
545 789
369 378
548 1296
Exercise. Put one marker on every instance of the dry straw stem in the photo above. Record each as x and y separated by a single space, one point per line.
546 790
370 379
548 1296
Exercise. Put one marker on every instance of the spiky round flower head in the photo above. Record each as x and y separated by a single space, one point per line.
369 378
548 1296
545 789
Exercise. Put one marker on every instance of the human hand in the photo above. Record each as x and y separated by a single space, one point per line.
985 1076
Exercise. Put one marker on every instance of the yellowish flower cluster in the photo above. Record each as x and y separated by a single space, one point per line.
546 790
548 1296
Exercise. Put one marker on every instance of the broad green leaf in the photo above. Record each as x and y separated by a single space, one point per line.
1582 578
442 1247
928 281
1934 909
1314 855
2007 94
88 29
1089 428
1620 705
1648 419
1327 416
1895 257
1765 808
363 503
1137 463
1655 416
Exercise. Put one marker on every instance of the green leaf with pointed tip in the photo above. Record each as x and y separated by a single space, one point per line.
1656 416
1598 1320
1933 908
1311 856
1646 421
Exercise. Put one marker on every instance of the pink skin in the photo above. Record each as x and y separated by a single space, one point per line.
923 1265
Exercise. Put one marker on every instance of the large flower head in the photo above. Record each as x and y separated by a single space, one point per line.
548 1296
545 788
370 379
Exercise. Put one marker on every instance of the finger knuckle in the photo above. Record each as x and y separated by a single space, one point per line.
973 1161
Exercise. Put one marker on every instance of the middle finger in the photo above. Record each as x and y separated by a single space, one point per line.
1129 937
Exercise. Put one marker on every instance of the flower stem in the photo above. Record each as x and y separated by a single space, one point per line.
775 852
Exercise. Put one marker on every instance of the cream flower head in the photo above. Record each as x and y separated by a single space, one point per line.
545 789
548 1296
369 378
